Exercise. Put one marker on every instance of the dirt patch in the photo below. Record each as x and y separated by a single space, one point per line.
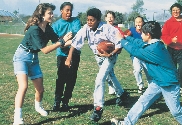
10 35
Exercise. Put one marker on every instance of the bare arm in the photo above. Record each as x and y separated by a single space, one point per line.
69 58
59 43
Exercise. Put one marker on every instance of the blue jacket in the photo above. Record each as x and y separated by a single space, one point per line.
157 59
61 27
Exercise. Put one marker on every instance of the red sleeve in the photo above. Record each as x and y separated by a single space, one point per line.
166 38
120 30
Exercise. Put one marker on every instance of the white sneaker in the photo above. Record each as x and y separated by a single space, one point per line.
41 111
116 122
18 121
111 91
140 89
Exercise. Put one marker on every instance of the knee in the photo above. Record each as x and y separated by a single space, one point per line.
40 91
23 88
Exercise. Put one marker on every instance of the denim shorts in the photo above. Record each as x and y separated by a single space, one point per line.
26 63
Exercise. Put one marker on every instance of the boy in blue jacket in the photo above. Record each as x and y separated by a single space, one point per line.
160 69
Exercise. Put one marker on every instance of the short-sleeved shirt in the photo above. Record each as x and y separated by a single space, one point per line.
61 27
134 33
103 32
35 39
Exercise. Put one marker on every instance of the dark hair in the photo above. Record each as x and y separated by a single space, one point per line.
38 14
176 5
110 12
140 17
66 4
96 13
153 28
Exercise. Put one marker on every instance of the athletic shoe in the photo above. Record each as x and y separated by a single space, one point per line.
18 121
56 107
140 91
65 107
122 98
97 113
41 111
116 122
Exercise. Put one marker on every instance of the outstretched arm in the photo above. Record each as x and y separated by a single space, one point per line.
60 43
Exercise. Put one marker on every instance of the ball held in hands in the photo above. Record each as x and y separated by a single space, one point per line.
106 46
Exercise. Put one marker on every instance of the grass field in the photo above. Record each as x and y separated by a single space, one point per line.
82 100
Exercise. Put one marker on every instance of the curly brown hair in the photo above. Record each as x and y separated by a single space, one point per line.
38 14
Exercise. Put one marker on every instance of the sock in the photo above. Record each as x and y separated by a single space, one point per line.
38 104
18 112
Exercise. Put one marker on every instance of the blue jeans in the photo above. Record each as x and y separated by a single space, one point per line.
171 95
138 66
105 70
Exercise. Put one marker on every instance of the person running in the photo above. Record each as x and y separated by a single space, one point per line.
138 65
95 32
38 32
110 18
161 70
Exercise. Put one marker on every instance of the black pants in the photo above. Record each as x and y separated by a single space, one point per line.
177 59
66 78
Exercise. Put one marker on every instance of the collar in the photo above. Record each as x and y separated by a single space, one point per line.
100 26
153 41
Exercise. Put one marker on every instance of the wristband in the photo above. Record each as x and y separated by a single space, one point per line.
62 42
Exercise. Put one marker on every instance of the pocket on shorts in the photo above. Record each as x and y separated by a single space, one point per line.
21 55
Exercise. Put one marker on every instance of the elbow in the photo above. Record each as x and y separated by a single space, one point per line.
44 51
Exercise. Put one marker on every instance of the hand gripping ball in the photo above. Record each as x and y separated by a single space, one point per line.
106 46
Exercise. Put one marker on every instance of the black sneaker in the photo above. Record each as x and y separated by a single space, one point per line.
65 107
122 98
97 113
56 107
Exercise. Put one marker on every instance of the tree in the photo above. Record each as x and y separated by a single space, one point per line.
82 17
133 15
15 12
119 18
137 10
179 1
137 7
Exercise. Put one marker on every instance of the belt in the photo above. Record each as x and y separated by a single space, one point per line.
102 56
27 50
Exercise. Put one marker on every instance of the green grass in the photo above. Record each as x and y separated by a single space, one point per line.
12 29
82 100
